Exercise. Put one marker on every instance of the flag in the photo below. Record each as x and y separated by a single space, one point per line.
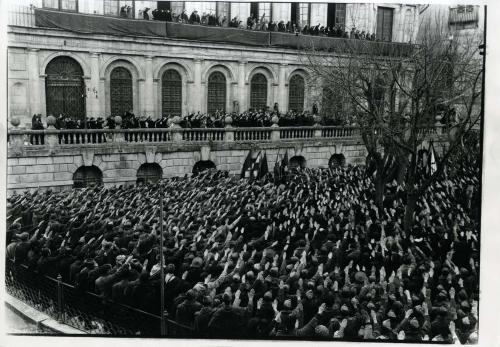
277 169
284 166
264 169
256 166
432 158
246 165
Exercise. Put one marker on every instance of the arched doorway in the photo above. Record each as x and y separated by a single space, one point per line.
203 165
216 92
64 88
258 92
149 173
297 161
171 92
87 176
120 91
336 160
296 94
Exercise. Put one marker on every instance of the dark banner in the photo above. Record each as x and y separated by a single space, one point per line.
217 34
339 45
94 24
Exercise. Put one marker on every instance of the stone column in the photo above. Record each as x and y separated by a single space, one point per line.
34 82
93 95
148 106
196 99
229 135
242 90
282 93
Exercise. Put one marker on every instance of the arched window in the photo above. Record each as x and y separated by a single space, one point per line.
171 91
87 176
64 88
296 93
216 92
203 165
258 92
121 91
149 173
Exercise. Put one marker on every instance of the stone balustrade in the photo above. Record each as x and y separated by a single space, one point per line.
52 158
76 137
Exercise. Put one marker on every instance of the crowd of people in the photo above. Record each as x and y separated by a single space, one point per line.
258 118
253 22
310 257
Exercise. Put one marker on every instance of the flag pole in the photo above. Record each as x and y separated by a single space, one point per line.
162 274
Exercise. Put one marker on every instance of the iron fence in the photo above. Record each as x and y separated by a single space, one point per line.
84 310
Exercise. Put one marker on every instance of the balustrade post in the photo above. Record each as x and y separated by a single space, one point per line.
317 126
275 131
16 137
60 313
118 136
229 134
51 140
176 129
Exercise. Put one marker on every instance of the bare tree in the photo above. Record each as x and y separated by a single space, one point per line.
396 93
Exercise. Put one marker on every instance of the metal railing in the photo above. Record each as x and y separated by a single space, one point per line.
22 16
83 310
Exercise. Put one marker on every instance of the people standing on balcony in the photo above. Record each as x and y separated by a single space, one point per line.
145 14
281 27
250 21
168 16
184 17
195 18
123 11
130 12
36 124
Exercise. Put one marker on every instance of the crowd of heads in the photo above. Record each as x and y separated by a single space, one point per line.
253 22
216 119
312 257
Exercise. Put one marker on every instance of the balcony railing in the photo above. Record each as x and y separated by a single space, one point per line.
20 138
22 16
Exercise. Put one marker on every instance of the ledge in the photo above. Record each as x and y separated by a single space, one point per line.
40 319
169 147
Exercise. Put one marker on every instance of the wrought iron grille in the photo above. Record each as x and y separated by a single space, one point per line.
203 165
121 91
149 173
296 94
336 160
87 176
216 92
258 92
64 88
171 87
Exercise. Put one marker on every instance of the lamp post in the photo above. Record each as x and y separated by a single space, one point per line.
162 273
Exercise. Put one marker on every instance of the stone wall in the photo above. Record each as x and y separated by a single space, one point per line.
45 167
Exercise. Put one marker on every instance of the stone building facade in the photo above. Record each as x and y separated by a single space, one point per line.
146 60
57 167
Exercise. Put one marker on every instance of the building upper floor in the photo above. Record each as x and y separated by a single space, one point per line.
383 22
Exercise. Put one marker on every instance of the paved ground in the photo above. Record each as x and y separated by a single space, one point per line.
15 324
